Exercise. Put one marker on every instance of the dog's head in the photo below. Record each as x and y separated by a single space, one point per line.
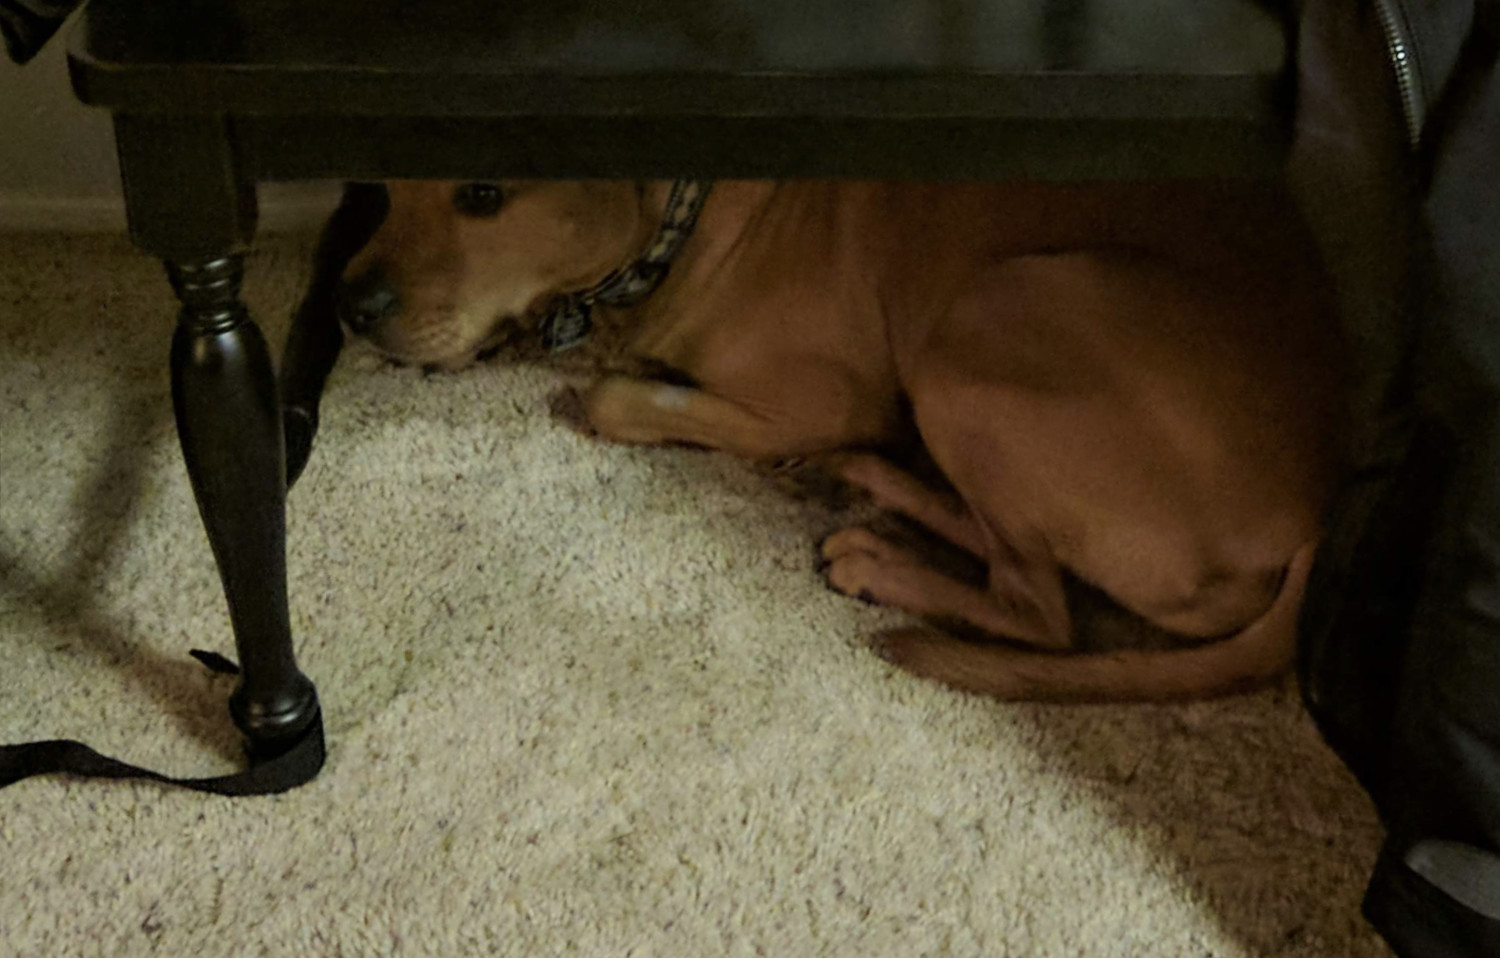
455 268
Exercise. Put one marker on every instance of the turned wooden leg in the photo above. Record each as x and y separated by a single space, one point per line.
191 204
229 421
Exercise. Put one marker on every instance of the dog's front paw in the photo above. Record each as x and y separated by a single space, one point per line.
568 409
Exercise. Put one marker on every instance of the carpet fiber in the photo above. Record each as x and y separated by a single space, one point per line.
581 700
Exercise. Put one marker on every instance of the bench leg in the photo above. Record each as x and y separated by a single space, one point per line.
191 204
229 422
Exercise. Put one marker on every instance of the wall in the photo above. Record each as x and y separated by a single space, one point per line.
57 159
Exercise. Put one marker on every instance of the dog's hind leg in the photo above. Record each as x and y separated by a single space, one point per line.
894 490
1024 603
1258 654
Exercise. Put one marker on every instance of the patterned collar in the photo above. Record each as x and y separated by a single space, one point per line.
569 320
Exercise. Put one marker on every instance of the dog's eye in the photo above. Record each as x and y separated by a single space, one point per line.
478 199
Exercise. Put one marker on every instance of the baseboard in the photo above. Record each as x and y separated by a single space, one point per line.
284 208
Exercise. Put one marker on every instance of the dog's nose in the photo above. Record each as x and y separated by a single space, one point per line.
366 301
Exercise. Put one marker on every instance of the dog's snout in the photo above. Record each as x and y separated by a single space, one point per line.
367 301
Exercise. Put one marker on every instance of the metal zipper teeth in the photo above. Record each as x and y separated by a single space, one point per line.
1403 57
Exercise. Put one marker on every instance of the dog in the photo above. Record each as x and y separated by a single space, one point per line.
1133 385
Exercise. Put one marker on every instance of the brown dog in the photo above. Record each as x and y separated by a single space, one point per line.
1133 383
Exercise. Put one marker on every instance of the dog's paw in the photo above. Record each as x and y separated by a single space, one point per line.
851 576
567 408
853 561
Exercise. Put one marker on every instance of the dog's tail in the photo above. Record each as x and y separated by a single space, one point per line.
1255 655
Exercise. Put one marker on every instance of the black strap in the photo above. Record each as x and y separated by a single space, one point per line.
292 763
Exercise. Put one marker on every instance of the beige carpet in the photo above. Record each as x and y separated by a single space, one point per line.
582 700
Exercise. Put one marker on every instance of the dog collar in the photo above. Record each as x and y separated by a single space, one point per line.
569 320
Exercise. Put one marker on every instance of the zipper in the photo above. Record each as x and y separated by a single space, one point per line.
1402 54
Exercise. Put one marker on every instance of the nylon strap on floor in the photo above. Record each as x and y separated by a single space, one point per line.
296 765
